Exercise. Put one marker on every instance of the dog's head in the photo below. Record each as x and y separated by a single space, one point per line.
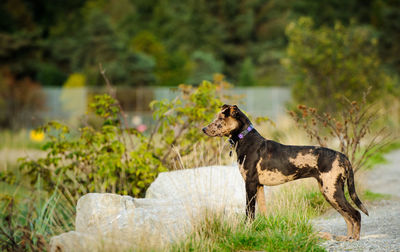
229 120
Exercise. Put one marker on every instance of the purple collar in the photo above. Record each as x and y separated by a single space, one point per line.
246 131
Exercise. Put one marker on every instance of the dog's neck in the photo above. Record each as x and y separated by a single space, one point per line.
240 136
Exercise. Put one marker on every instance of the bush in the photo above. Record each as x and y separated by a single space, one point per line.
328 64
94 160
353 130
115 158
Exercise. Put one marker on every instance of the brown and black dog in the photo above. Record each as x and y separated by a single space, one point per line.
265 162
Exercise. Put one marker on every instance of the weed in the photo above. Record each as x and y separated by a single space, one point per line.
350 129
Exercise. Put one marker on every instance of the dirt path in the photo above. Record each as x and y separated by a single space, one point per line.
381 230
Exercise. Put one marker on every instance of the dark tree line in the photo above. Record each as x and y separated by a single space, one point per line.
167 42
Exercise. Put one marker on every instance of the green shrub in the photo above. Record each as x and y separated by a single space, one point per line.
114 158
94 160
328 64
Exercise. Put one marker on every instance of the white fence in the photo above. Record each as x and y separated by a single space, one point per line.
69 105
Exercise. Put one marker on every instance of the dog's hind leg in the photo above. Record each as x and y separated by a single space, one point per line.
261 200
334 194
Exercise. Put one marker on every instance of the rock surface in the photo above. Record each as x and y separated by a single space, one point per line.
171 208
211 187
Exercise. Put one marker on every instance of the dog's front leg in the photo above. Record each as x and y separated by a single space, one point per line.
251 191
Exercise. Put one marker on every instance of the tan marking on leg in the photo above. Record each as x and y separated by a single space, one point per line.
261 200
271 177
329 179
307 160
328 188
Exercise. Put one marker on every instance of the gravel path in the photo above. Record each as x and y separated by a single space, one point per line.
381 230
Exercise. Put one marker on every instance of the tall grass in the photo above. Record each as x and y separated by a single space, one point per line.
219 232
29 218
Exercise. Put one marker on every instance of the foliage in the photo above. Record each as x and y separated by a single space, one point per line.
381 15
205 66
353 129
97 160
117 159
75 80
247 73
43 41
170 68
180 121
50 75
331 63
96 32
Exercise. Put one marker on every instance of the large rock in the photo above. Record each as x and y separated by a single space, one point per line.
212 187
173 205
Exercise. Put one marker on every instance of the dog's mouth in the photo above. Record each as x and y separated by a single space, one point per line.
210 133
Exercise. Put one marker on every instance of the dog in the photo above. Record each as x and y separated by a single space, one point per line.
266 162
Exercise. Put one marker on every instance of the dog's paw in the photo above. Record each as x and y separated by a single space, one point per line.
343 238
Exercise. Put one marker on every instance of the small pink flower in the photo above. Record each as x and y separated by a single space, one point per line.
141 128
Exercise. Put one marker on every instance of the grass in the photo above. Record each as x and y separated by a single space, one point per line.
379 156
373 196
18 140
218 232
285 227
30 216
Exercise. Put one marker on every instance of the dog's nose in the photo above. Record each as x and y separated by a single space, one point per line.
204 129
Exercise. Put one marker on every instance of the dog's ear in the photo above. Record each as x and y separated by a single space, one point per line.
234 111
225 106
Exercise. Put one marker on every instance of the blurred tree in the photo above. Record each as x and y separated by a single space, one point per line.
98 43
329 64
170 69
247 73
45 39
231 30
205 66
50 75
383 15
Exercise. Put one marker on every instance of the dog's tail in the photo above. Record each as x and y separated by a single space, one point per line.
352 189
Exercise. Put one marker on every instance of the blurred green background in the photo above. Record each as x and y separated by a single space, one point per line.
316 52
